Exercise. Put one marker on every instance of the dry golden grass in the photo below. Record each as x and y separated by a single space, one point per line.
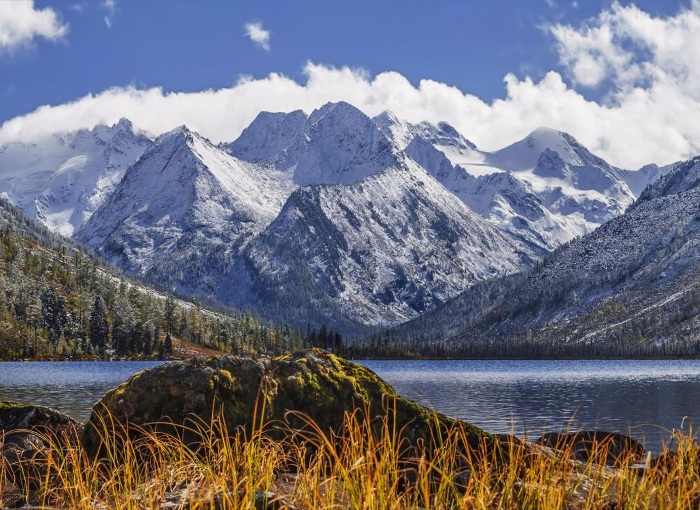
369 467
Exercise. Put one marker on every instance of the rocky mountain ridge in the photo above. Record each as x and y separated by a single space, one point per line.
331 216
634 282
62 179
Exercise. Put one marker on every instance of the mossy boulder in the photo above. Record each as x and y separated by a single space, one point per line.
318 384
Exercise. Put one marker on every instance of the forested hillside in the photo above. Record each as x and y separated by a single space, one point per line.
57 301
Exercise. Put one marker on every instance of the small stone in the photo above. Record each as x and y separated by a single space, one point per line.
265 500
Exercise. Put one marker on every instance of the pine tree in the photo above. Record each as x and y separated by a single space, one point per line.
169 314
53 312
99 327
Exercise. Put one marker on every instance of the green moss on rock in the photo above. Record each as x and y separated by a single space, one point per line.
316 383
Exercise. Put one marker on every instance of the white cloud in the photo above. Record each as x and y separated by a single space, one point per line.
110 7
651 117
21 23
633 48
258 35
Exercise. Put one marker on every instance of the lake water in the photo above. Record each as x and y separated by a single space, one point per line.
643 398
71 387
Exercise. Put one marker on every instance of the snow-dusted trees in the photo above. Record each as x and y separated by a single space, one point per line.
53 314
99 326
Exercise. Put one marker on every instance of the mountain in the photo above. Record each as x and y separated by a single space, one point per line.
62 179
338 226
632 284
545 189
183 195
336 144
268 135
442 135
59 301
331 216
381 251
638 180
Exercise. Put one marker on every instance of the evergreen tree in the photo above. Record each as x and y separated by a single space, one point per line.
53 312
99 326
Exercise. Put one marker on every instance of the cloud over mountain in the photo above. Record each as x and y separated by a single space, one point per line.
647 116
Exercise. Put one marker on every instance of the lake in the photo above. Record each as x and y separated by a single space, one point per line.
643 398
71 387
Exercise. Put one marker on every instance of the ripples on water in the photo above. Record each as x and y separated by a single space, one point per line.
71 387
643 398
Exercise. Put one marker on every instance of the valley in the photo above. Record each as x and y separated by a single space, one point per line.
376 226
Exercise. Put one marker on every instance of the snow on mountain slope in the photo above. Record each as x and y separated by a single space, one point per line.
339 145
442 136
546 189
524 154
268 135
339 210
336 144
62 179
383 249
635 279
183 194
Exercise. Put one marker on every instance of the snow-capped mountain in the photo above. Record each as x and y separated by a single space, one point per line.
545 189
336 144
338 224
331 216
443 136
635 279
62 179
183 194
268 135
382 250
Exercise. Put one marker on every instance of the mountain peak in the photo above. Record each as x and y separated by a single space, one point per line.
524 154
339 110
542 138
684 177
395 129
124 124
386 118
177 135
546 131
443 134
268 135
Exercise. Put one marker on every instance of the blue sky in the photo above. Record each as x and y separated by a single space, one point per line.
144 53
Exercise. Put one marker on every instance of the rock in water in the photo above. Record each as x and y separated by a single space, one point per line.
318 384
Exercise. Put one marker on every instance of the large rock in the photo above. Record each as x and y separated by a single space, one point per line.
27 435
610 448
319 384
24 430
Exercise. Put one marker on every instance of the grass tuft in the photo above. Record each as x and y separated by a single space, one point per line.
368 465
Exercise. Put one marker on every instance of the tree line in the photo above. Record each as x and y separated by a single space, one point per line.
62 303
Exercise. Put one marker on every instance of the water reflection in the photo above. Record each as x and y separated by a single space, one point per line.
643 398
